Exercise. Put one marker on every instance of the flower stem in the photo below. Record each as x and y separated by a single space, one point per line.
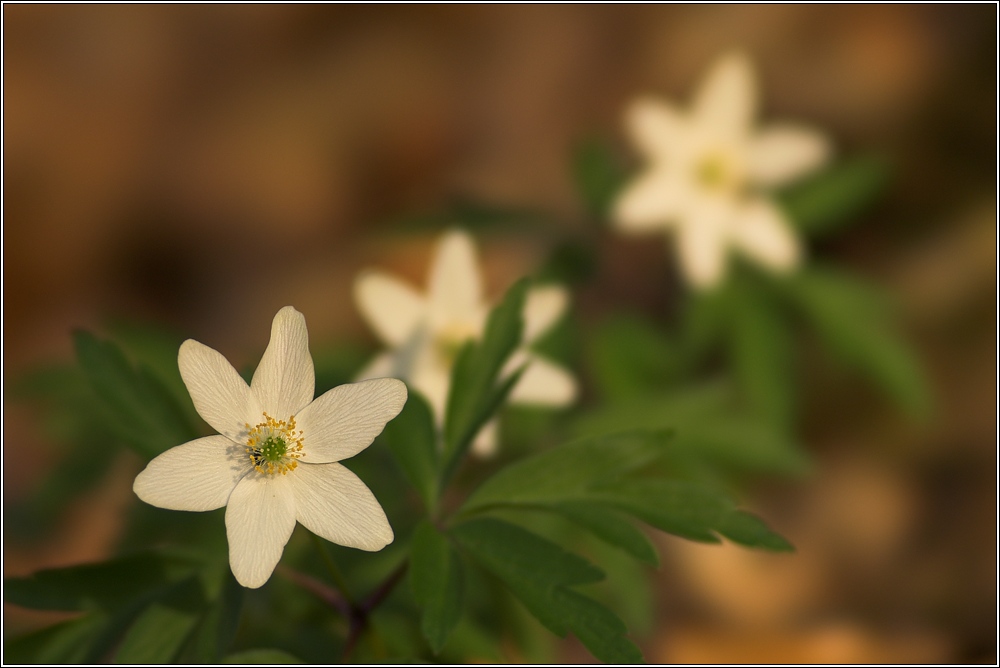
331 566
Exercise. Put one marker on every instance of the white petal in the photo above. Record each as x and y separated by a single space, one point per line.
284 381
344 421
485 443
221 397
763 233
198 475
432 381
657 128
726 100
544 383
334 503
391 307
259 521
781 153
454 288
702 246
542 309
652 201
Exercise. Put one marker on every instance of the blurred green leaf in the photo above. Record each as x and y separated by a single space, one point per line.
610 527
538 573
761 347
160 631
630 356
708 424
475 394
567 471
104 585
412 438
836 195
704 319
599 176
217 627
255 657
136 403
66 642
436 579
853 320
691 510
570 262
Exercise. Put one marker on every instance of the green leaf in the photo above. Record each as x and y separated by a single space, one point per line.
567 471
836 195
160 631
761 349
103 585
475 395
629 356
66 642
853 320
436 579
217 627
538 573
412 438
704 319
137 405
610 527
707 423
691 510
261 656
599 177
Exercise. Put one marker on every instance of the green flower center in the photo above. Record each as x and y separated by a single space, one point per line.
274 446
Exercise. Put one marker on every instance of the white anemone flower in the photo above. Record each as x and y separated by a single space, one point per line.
426 331
274 460
706 171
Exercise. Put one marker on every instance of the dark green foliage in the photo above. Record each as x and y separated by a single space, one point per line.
413 440
436 580
599 177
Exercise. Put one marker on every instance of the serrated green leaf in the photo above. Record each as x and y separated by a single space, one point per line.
261 656
761 349
103 585
66 642
137 405
412 438
848 316
436 580
599 177
565 472
539 573
610 527
836 195
162 628
475 393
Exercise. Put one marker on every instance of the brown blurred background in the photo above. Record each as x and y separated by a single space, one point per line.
202 166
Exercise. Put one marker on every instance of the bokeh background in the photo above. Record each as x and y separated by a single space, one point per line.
199 167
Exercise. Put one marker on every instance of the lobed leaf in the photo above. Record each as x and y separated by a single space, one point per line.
610 527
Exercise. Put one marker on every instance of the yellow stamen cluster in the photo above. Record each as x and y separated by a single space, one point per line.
274 446
716 171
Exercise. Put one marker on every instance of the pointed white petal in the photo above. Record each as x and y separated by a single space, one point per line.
432 381
542 308
702 246
726 100
485 443
392 308
344 421
220 396
284 381
544 383
780 153
259 521
454 288
658 129
196 476
652 201
334 503
762 232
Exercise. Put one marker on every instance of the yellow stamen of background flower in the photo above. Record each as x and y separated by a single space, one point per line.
274 446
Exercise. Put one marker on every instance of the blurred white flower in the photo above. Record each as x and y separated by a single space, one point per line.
425 332
274 460
706 170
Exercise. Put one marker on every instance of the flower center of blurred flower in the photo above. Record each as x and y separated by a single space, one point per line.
274 446
450 340
717 171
